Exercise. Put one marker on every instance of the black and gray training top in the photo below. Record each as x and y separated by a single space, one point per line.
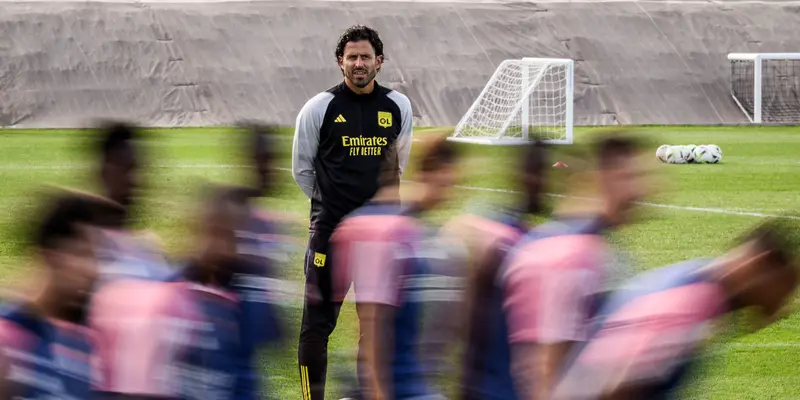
339 143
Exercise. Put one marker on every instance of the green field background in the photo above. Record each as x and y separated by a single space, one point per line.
759 174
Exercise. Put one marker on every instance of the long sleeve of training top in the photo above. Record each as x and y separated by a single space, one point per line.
339 144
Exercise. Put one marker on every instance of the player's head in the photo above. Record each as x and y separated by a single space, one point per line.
534 176
62 241
762 271
260 150
437 172
225 209
621 175
359 53
119 161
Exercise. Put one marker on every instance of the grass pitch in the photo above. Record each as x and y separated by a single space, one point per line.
702 210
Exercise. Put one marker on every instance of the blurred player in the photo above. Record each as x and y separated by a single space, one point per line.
479 235
121 251
540 302
378 248
260 241
192 338
45 350
651 329
340 140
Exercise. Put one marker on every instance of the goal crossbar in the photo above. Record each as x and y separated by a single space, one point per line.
516 90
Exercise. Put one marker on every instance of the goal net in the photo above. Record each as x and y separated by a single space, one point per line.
525 99
766 86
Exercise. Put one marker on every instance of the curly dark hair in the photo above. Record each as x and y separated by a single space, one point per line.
357 33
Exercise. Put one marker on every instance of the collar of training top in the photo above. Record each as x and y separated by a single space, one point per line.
376 89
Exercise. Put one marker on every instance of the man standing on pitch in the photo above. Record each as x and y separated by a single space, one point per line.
341 139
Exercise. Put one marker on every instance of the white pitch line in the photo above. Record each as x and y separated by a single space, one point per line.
472 188
648 204
766 345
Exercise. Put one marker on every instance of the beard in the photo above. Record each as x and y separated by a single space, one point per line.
361 81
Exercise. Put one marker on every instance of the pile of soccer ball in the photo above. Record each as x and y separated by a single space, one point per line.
691 154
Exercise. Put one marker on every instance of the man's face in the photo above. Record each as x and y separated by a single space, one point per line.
120 175
74 272
624 183
359 63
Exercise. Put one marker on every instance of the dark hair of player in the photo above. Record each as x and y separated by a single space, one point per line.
779 238
258 136
64 216
612 148
114 136
357 33
439 153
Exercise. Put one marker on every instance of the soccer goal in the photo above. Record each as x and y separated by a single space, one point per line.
766 86
525 99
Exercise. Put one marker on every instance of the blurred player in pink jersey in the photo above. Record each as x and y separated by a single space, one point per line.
121 251
651 330
543 293
44 351
479 236
378 249
230 284
181 339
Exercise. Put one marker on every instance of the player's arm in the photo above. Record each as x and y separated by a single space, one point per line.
306 142
405 138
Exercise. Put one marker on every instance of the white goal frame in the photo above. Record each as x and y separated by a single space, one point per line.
522 106
757 60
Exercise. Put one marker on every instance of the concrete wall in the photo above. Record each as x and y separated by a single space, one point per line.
62 64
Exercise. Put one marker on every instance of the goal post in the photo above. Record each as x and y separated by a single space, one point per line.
766 86
525 99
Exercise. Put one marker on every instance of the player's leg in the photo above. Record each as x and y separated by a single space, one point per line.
320 314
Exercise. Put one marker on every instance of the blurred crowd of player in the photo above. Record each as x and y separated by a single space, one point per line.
487 306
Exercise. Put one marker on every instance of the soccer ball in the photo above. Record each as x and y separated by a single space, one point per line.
716 150
690 152
662 152
677 155
706 155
